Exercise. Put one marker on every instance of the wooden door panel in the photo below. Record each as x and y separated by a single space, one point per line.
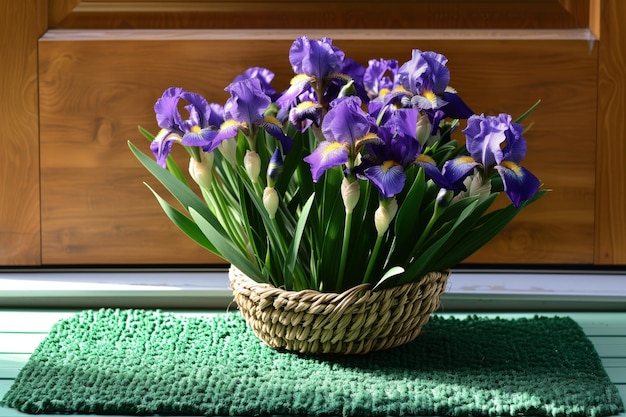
96 87
287 14
19 135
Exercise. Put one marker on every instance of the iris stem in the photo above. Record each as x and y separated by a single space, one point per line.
344 250
373 257
424 234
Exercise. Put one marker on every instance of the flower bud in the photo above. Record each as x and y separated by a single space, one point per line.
423 131
274 168
252 163
201 171
476 186
384 215
270 201
444 197
350 192
347 90
228 149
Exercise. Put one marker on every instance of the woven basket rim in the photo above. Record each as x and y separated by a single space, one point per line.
233 270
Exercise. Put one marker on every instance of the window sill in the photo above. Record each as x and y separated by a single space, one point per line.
467 290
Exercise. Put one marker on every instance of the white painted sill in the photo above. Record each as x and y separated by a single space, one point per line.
200 289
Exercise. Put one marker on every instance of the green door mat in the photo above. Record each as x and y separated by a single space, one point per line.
141 362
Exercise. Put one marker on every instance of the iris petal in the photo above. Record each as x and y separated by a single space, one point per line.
519 183
456 108
346 122
202 138
515 148
484 136
162 145
228 130
274 128
166 109
299 84
305 114
316 58
457 169
326 155
247 102
389 180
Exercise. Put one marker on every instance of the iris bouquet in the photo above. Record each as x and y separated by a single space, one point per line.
350 175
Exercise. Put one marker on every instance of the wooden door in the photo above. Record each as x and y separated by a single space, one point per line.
103 64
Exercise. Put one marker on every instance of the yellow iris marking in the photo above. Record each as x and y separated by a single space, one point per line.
331 147
383 92
387 165
305 105
230 123
401 89
368 138
300 78
430 96
425 158
196 129
463 160
513 167
271 120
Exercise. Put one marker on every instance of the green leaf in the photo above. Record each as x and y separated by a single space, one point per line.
275 237
191 202
173 167
227 249
290 261
422 264
470 221
486 229
391 273
527 112
184 223
179 190
147 134
407 217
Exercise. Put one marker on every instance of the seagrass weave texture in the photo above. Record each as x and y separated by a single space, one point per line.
356 321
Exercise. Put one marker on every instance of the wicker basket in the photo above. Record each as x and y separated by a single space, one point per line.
356 321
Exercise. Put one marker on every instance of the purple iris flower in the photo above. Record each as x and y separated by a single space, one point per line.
245 111
265 77
198 130
350 71
313 62
346 128
380 76
422 83
495 142
386 162
247 102
305 114
315 58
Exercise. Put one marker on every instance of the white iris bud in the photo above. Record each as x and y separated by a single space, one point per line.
228 149
252 163
350 192
384 215
475 187
270 201
201 171
423 131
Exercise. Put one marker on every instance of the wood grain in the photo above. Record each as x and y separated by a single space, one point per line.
19 157
356 14
610 243
96 90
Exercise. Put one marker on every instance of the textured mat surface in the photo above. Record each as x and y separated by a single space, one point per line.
149 362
